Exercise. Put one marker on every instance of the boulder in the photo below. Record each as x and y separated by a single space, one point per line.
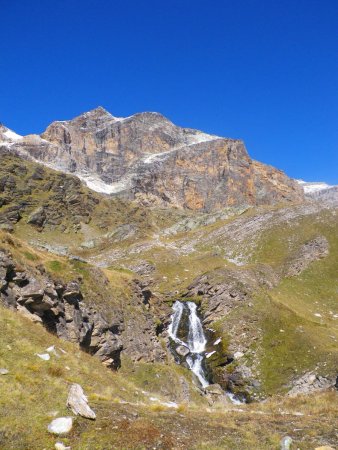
182 350
33 290
214 389
61 425
78 402
44 356
60 446
37 217
12 215
285 443
72 292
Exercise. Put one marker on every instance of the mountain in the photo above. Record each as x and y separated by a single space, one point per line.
147 157
138 297
321 192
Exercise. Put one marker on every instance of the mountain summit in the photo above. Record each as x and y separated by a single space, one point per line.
145 156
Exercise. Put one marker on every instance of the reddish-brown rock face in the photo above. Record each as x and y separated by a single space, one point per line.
147 157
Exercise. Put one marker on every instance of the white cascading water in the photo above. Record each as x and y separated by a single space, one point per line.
196 338
178 308
196 341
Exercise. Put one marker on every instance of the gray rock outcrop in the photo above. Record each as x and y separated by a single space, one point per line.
327 196
60 308
311 251
131 327
311 382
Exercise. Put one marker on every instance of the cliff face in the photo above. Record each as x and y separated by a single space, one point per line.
147 157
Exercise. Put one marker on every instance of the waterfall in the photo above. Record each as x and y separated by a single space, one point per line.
178 308
196 338
194 362
186 331
194 348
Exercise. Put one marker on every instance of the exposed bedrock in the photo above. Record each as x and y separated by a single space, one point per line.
147 157
61 309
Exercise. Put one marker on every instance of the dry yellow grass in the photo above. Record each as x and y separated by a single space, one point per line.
34 389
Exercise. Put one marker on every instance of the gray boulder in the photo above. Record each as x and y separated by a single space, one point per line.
78 402
37 217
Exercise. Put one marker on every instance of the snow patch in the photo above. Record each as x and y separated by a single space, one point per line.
12 135
315 186
193 140
96 184
8 137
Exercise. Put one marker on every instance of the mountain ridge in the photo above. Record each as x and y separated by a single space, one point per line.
105 272
148 158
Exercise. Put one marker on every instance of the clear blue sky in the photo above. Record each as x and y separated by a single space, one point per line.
261 70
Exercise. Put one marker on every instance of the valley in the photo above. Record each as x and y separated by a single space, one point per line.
201 295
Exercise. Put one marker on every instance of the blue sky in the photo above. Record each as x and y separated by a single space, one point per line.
263 71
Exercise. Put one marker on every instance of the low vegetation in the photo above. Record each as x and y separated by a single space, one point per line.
129 414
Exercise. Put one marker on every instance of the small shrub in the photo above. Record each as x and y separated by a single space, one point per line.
55 371
157 408
30 256
33 368
55 266
182 408
7 239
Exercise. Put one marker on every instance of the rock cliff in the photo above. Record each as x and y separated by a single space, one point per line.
62 308
147 157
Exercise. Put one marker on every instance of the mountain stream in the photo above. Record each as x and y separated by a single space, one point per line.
185 324
186 332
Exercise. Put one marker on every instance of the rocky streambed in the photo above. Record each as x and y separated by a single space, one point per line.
190 347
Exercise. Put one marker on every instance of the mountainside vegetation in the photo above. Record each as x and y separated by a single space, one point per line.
95 277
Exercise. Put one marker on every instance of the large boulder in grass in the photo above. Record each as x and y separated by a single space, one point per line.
37 217
78 402
61 425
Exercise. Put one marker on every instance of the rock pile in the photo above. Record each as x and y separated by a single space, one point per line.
311 382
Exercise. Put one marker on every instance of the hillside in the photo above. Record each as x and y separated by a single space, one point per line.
128 416
98 275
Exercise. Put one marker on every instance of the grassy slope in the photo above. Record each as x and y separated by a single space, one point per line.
308 342
34 390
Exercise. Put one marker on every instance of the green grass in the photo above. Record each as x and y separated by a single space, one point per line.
30 256
35 390
55 266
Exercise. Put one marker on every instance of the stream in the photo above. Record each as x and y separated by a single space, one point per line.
183 319
186 331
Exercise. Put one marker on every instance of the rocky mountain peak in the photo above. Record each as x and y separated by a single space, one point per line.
148 158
